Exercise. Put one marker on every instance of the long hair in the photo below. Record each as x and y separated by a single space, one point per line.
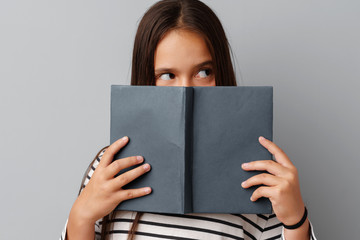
159 19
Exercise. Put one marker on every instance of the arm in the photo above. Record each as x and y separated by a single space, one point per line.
104 192
281 187
87 176
311 232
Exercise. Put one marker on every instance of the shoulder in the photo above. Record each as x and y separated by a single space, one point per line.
92 167
96 161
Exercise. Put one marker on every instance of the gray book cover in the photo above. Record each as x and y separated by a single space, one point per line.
195 139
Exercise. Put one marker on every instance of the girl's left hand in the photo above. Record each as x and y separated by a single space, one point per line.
281 184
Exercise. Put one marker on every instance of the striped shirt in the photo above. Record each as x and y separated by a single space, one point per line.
191 226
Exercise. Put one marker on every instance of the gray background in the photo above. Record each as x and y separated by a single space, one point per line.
59 58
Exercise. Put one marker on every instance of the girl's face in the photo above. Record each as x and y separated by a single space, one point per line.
182 58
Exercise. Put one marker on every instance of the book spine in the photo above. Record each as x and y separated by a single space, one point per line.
189 98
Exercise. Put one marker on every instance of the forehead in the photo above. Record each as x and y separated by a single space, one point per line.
181 48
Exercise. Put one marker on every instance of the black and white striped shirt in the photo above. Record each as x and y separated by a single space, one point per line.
192 226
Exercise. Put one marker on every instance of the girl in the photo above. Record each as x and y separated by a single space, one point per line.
182 43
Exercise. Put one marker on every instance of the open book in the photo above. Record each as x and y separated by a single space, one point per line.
195 139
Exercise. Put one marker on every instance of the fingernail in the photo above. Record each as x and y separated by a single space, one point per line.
245 165
124 138
251 199
139 159
261 138
243 184
147 190
146 167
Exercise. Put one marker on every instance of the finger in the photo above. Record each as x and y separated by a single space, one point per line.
263 178
130 175
116 166
112 150
265 165
278 153
133 193
262 192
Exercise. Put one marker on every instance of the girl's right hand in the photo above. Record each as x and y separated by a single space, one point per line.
104 191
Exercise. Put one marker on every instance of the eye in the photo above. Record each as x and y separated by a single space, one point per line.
203 73
167 76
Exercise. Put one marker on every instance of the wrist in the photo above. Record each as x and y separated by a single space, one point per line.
298 230
81 217
299 223
301 233
295 216
79 227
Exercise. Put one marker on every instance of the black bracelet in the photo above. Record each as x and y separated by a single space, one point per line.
295 226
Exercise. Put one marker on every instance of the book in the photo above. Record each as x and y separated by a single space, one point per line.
195 139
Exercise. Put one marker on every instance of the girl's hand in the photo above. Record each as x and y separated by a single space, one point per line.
104 191
282 184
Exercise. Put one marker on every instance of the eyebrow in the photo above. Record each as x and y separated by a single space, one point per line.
209 62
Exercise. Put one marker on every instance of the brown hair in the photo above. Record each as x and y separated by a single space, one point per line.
159 19
191 15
